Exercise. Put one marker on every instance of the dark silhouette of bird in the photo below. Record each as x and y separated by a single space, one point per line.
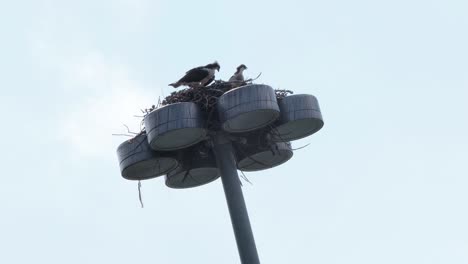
237 79
238 75
199 76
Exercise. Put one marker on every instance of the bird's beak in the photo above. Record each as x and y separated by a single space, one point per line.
217 69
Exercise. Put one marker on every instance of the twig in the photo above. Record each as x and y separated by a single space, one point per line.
245 178
128 130
139 194
250 80
302 147
126 135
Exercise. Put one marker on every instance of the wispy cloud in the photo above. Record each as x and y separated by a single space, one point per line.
106 94
88 126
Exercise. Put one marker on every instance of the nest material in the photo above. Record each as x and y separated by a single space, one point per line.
207 97
280 94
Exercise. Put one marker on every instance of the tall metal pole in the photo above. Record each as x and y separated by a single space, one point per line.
224 153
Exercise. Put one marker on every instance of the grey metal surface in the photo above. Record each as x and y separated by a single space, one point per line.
139 162
300 117
263 155
248 108
175 126
224 153
197 166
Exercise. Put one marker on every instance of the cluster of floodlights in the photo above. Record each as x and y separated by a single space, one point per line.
176 139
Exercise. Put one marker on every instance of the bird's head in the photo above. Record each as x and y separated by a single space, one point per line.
214 66
241 68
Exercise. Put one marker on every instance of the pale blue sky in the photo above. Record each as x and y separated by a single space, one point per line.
385 181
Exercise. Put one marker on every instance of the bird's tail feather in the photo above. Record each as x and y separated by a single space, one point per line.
175 85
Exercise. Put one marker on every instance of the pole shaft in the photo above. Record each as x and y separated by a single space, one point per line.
224 153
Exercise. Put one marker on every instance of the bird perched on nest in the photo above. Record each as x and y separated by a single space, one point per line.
238 78
199 76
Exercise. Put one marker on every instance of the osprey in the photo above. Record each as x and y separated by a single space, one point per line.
238 77
199 76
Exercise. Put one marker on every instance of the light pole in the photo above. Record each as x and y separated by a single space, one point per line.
250 131
224 153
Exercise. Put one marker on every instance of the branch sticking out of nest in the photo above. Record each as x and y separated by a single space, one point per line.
248 81
148 110
280 94
129 133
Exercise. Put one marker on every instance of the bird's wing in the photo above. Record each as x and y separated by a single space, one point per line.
195 69
237 78
209 80
194 75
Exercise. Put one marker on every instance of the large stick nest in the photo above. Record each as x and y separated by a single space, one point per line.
207 97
